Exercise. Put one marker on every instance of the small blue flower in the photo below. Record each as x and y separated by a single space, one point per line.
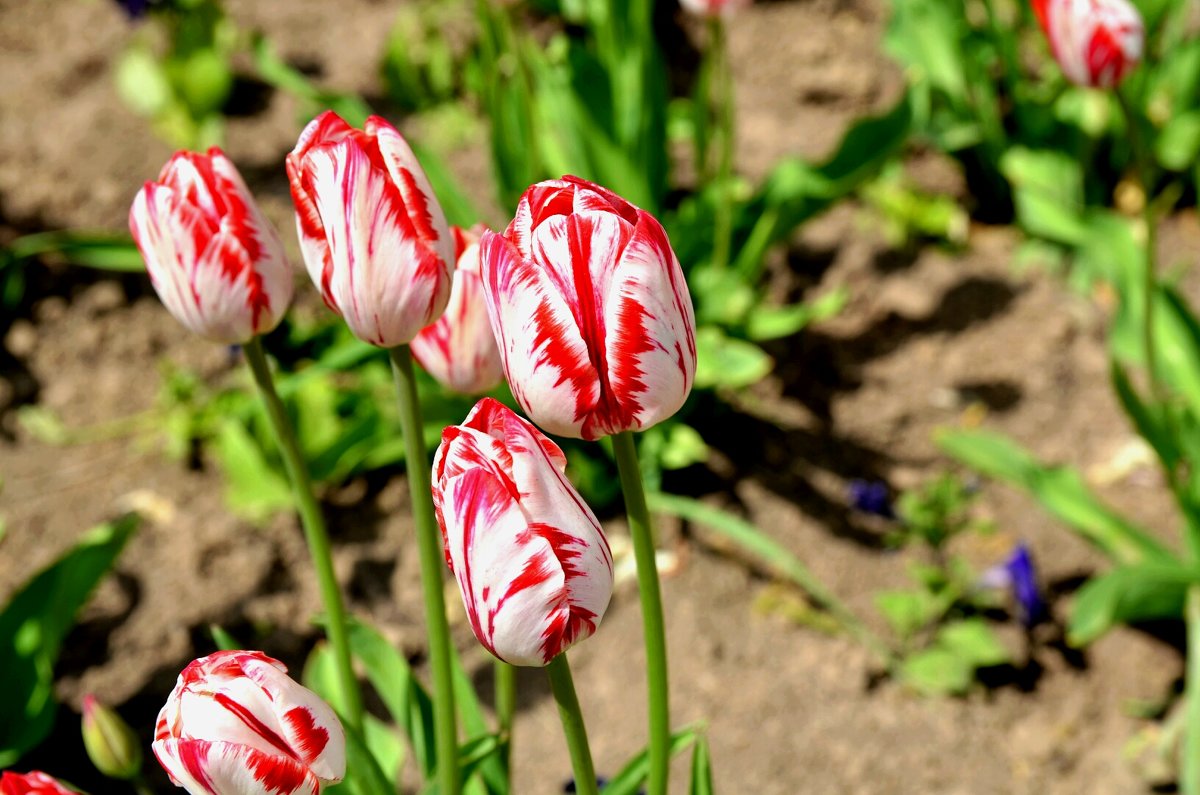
871 496
1019 575
601 782
134 9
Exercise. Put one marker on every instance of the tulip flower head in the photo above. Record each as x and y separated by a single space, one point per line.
215 261
590 310
459 349
1096 42
236 724
35 782
713 8
373 235
531 561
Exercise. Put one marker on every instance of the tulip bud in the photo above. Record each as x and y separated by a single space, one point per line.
530 559
459 349
215 261
110 743
373 235
1096 42
34 782
590 310
236 724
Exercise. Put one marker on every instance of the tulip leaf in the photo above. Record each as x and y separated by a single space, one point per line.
33 626
94 249
254 489
406 699
470 712
1060 490
701 768
373 761
1129 594
223 640
633 775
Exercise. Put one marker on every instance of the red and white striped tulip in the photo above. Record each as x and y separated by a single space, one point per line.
1096 42
373 235
215 261
713 8
590 310
237 724
531 561
35 782
459 349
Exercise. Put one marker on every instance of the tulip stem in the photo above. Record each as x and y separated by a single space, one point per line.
506 708
315 532
429 541
563 687
652 611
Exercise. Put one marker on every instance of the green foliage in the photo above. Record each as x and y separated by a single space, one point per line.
32 628
936 512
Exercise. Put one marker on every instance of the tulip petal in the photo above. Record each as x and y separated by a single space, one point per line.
222 768
545 357
171 236
650 341
386 283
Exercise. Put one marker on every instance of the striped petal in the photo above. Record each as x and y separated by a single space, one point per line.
380 275
204 767
530 559
1096 42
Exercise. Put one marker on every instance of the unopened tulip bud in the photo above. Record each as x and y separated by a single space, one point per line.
1096 42
110 743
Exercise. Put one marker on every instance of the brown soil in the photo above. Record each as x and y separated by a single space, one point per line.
790 710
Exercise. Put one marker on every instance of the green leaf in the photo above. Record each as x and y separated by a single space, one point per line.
474 722
1128 594
33 626
254 490
1148 418
701 768
682 447
405 698
973 640
1060 490
937 672
728 362
633 775
223 640
142 83
907 611
1178 143
769 323
1048 191
92 249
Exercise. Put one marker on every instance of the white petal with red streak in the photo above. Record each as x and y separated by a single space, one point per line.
490 548
544 355
221 768
166 232
385 283
399 158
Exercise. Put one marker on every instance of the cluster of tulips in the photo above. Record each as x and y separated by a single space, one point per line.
580 303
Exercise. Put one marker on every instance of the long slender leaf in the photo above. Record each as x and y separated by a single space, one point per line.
633 775
33 626
701 768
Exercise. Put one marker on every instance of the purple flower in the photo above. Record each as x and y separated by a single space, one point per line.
871 496
134 9
1019 575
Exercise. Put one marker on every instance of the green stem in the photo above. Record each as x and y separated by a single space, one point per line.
640 529
429 541
723 81
1190 784
314 531
140 786
506 708
572 721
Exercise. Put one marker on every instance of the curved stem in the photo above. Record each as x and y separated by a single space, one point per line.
571 715
314 530
429 542
652 612
506 708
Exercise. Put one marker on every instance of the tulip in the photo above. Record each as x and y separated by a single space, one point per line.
590 310
531 561
1096 42
35 782
236 724
713 8
373 235
214 260
459 349
109 741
